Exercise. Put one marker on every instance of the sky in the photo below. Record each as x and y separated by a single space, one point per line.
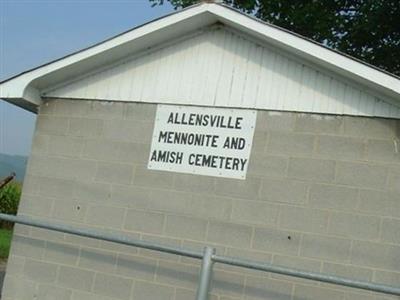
35 32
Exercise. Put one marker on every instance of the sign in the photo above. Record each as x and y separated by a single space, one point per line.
202 140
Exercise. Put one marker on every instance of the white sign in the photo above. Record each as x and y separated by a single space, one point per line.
202 140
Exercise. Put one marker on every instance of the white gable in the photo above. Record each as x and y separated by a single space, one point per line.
220 67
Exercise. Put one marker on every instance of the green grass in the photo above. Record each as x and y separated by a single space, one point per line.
5 241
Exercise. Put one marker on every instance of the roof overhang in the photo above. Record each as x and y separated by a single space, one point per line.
24 90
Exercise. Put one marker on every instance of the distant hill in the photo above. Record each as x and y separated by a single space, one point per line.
13 163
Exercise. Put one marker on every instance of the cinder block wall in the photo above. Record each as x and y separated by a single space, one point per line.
322 194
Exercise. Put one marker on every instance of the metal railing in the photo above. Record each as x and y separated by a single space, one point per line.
208 257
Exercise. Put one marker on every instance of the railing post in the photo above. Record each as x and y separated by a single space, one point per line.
205 274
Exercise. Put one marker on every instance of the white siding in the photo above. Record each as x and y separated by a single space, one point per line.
219 67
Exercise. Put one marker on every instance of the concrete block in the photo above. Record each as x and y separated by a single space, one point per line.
114 173
55 187
354 226
58 167
348 271
66 254
391 231
15 265
295 262
151 178
258 288
74 108
168 201
177 274
130 196
136 267
383 150
148 290
283 190
194 183
101 149
113 286
341 148
78 295
160 240
82 241
48 107
304 219
268 166
255 212
290 143
143 221
388 278
22 230
326 248
394 179
65 146
88 191
105 216
51 292
277 241
40 271
230 234
361 174
275 121
370 127
245 254
312 292
316 170
210 207
27 247
51 125
244 189
31 184
186 227
260 139
115 247
75 278
47 235
184 294
18 288
140 111
105 110
137 153
380 203
69 210
86 128
40 144
35 205
316 123
229 284
128 130
97 260
333 197
376 255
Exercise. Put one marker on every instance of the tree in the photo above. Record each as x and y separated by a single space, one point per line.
365 29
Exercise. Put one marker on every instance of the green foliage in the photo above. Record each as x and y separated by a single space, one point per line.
9 200
365 29
5 241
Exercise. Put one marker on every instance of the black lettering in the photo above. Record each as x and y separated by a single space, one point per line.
171 118
162 136
238 123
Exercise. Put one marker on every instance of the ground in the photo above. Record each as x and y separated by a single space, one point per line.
5 240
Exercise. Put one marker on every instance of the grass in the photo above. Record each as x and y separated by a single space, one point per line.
5 240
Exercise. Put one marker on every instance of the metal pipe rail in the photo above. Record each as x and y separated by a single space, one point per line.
208 257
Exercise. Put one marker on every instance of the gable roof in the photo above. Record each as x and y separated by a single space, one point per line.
24 90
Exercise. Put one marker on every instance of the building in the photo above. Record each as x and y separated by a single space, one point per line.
208 127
